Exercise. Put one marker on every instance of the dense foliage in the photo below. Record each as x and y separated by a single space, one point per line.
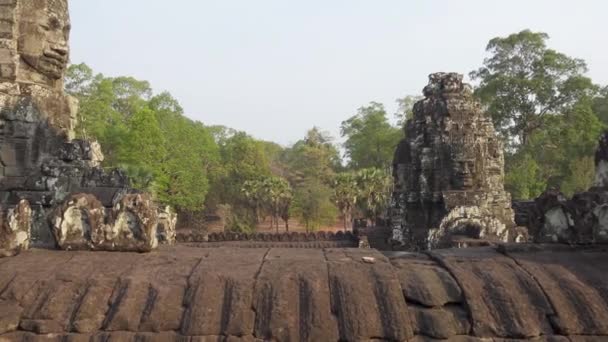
162 150
370 138
547 110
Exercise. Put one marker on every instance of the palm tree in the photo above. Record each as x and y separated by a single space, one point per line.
277 196
375 187
270 195
346 194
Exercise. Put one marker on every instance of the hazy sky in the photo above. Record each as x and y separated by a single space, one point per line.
275 68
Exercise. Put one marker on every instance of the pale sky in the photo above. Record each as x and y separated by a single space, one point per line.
275 68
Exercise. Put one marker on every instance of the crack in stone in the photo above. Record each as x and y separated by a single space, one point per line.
465 305
538 283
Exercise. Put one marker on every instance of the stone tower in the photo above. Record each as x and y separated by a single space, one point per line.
449 172
41 163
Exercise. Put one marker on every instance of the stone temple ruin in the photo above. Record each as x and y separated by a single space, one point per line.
42 166
449 172
582 219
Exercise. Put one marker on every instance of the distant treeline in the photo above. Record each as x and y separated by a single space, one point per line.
548 112
194 167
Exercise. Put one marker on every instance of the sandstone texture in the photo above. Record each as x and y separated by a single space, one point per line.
15 225
83 223
510 293
449 172
167 222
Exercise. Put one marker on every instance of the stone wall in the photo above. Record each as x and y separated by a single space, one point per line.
266 240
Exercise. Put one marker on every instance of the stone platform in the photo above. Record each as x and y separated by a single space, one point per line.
524 292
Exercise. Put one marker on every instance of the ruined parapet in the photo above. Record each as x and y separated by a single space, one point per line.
267 240
15 225
449 172
553 218
83 223
582 219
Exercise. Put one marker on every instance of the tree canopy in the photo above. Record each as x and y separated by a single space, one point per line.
370 138
546 109
523 82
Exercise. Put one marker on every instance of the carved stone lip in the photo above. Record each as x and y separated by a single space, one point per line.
53 64
55 58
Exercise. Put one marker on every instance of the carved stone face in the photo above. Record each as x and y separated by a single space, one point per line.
462 173
43 36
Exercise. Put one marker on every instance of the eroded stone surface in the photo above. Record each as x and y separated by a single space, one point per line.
575 285
449 172
83 223
15 226
167 220
532 293
494 287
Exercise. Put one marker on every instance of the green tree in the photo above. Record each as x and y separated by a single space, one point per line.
346 194
253 193
145 149
272 194
600 105
79 80
581 174
242 159
405 110
148 136
523 82
557 155
524 179
192 156
375 189
279 196
130 95
370 138
314 157
312 205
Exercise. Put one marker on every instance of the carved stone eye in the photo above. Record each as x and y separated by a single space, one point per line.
54 23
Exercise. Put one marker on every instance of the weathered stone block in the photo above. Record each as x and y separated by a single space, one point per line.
167 220
15 225
83 223
7 72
